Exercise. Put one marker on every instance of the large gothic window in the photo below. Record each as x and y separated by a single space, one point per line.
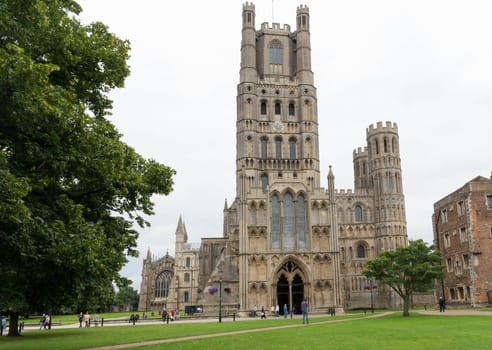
289 221
275 222
162 284
278 108
292 109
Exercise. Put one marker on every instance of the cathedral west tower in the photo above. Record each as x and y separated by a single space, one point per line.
285 237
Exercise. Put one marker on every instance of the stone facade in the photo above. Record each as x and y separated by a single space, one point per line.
462 224
285 237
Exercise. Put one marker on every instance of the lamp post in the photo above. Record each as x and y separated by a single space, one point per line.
220 296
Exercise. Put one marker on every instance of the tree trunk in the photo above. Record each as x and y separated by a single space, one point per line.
406 305
13 324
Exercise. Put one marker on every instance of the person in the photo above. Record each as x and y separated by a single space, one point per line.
442 304
47 322
254 311
96 319
172 314
263 315
176 315
42 320
81 318
286 310
3 325
87 319
304 309
277 311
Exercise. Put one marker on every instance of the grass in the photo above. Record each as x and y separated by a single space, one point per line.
389 332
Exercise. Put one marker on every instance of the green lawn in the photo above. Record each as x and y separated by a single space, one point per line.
390 332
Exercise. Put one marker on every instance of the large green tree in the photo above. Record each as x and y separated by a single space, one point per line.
70 190
407 270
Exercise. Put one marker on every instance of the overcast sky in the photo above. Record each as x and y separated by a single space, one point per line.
426 65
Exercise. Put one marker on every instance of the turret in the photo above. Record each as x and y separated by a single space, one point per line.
361 169
385 175
248 45
304 73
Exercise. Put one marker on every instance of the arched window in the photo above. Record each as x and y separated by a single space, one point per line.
188 262
358 213
278 148
278 108
264 182
292 110
292 148
377 146
393 145
275 222
276 52
162 284
186 297
263 108
187 277
264 148
301 220
288 228
361 251
385 145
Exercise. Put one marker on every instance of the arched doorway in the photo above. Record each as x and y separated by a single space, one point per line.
290 287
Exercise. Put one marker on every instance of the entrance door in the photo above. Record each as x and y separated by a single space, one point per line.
283 296
282 293
297 294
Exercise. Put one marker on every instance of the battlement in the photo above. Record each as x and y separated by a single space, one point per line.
360 152
275 26
302 9
388 127
248 6
343 191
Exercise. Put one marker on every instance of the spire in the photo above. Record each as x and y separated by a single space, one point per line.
181 230
225 204
149 256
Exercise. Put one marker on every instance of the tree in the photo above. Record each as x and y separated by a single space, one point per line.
71 191
407 270
127 296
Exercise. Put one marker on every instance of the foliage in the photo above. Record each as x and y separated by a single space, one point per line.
70 189
126 295
407 270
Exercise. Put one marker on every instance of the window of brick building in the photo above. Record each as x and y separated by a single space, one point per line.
447 241
463 234
489 201
444 216
449 264
461 208
466 261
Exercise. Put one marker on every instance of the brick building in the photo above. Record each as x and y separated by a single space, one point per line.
462 224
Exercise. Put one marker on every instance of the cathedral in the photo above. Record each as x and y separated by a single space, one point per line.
285 238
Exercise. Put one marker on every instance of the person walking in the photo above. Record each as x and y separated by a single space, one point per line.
3 325
304 309
286 311
81 318
442 304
